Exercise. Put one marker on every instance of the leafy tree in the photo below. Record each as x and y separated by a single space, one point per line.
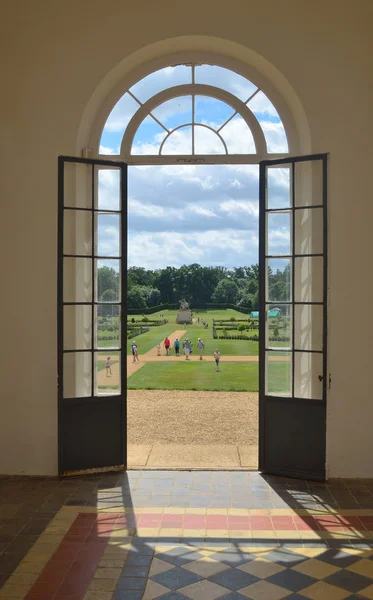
107 279
136 297
226 292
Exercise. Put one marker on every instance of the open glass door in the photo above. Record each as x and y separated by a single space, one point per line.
92 263
293 313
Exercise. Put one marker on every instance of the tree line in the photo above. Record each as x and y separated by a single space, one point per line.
197 284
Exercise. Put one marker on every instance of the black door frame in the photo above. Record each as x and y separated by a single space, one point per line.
297 410
94 411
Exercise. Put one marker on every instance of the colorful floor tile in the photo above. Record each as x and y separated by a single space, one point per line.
177 535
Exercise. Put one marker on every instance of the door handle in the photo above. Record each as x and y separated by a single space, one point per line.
321 377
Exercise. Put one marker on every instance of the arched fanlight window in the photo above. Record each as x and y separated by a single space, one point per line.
194 110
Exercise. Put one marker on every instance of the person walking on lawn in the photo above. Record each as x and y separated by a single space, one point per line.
187 347
167 344
177 347
108 366
217 357
135 352
201 346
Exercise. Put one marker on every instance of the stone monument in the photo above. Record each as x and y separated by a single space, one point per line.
184 316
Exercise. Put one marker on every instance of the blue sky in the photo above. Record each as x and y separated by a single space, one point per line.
183 214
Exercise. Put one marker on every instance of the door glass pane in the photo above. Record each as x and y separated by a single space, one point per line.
308 366
108 189
107 281
278 187
278 373
77 327
278 233
279 280
77 185
309 231
308 327
107 326
77 232
77 280
308 183
279 326
107 372
77 371
309 279
108 234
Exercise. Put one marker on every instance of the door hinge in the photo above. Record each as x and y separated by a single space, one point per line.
329 381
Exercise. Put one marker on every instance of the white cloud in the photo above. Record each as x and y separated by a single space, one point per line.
275 136
209 248
121 114
203 211
192 213
260 104
106 150
237 209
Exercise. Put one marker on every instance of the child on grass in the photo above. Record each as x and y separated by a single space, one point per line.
217 357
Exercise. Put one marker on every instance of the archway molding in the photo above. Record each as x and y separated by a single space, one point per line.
194 49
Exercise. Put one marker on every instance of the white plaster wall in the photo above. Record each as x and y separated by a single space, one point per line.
54 56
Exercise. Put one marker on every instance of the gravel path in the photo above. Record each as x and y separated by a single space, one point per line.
190 417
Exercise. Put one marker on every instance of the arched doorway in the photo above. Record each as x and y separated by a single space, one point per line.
201 114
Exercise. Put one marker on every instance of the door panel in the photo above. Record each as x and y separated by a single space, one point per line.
293 316
92 250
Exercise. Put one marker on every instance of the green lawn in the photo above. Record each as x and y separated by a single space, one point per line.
191 375
149 340
234 377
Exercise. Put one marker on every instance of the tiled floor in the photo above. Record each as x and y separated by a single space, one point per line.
185 535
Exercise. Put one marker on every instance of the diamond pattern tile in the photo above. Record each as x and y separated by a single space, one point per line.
233 579
348 580
363 567
186 536
367 593
324 591
205 567
285 557
158 566
291 580
176 578
315 568
154 590
264 590
179 556
261 568
203 590
338 558
233 558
